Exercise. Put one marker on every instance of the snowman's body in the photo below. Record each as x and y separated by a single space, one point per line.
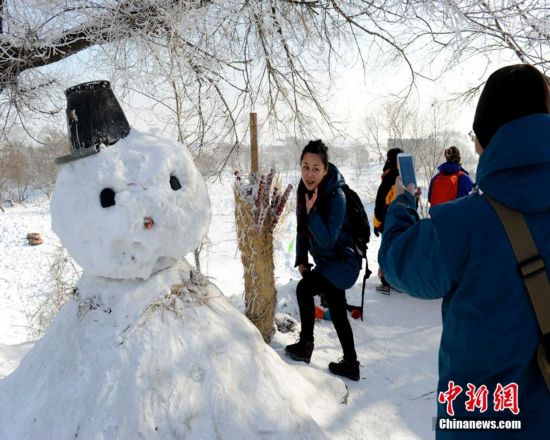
144 350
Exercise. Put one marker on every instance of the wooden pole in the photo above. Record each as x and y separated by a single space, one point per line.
253 143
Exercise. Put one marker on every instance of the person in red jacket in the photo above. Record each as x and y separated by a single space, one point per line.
451 182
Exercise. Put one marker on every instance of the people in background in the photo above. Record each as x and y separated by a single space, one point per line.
451 182
463 255
384 196
322 232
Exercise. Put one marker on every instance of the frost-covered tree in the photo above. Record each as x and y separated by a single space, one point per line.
473 27
423 132
228 56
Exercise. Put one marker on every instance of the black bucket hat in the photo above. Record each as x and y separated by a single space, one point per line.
94 118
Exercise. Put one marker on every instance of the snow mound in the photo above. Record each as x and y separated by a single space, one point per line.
133 359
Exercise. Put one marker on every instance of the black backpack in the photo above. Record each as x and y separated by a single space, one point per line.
359 227
358 221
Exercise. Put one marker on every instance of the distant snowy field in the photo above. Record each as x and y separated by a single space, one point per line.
396 344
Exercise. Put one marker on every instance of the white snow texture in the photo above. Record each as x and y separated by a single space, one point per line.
128 360
113 242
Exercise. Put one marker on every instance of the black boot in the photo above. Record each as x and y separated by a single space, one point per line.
349 369
301 351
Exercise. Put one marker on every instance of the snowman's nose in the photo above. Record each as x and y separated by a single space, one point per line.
148 222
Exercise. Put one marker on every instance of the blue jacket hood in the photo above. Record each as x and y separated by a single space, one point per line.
514 169
450 168
332 181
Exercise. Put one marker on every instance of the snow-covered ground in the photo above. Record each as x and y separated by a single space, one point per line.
396 344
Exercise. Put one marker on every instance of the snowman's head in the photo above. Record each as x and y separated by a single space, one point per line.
134 208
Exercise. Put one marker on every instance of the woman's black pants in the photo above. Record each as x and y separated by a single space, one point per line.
313 283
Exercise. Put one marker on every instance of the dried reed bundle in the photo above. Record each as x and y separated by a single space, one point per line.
256 215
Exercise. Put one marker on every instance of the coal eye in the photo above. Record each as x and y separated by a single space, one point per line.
175 183
107 197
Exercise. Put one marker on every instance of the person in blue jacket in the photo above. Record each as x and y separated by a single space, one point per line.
463 255
452 181
323 233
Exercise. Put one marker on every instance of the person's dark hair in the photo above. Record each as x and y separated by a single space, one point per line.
316 147
452 154
391 158
510 93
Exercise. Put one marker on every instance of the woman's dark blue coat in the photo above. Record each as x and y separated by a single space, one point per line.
324 232
463 255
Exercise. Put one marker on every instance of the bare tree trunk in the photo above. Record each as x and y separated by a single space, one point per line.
197 253
179 125
254 143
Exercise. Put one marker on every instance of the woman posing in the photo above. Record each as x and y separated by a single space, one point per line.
323 233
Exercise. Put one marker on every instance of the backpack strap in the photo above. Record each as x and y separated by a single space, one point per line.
532 271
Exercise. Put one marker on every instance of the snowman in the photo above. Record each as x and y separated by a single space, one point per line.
145 349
